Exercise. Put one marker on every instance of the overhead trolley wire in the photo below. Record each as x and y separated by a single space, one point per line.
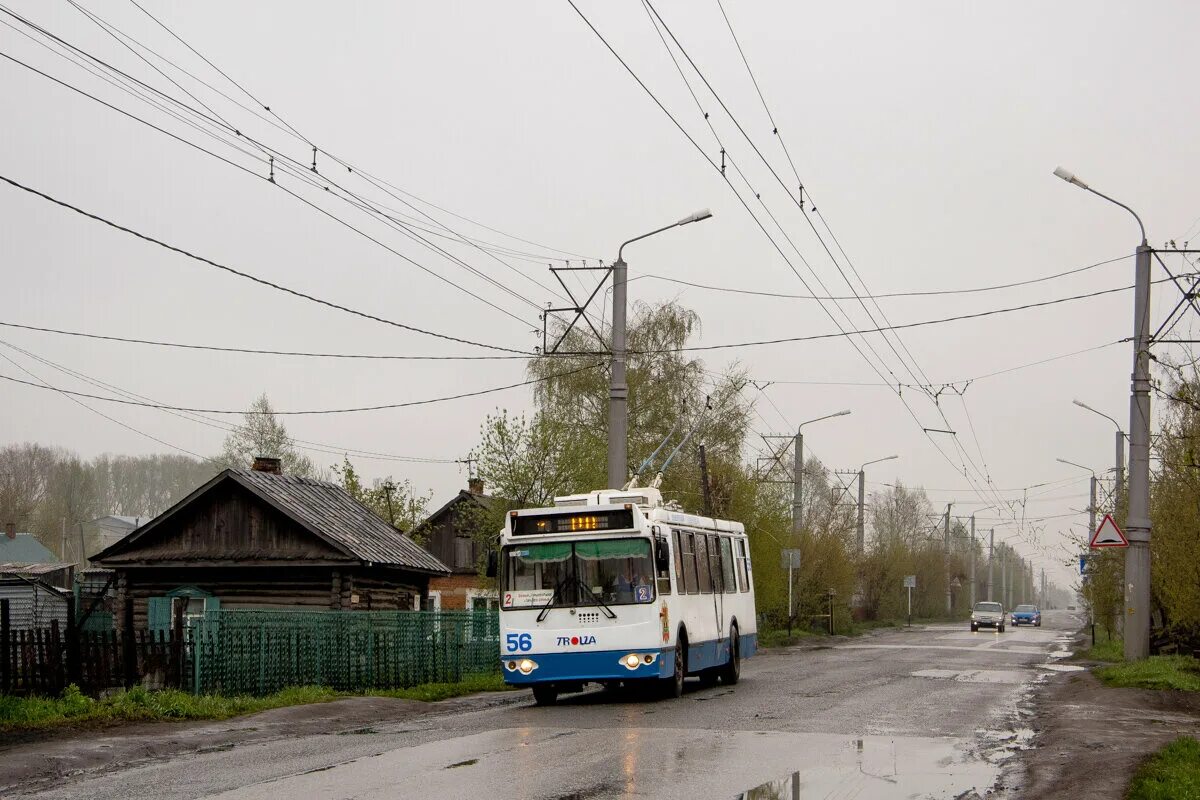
314 412
248 276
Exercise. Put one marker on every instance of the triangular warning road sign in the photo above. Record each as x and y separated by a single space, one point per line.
1108 534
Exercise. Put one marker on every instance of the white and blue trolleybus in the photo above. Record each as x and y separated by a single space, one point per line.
613 587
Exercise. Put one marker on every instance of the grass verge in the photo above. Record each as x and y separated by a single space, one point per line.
778 637
1155 672
1106 648
141 705
1172 773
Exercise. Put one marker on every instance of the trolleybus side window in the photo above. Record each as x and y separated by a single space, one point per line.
704 567
727 566
678 548
743 566
714 558
689 563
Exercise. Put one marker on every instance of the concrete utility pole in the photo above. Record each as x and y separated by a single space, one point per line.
862 525
1004 580
705 486
949 597
991 559
1137 522
798 479
618 390
972 561
1092 510
862 483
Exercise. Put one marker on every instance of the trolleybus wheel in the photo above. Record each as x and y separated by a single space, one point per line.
673 686
731 673
544 694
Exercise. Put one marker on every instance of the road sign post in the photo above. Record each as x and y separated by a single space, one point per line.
910 583
791 560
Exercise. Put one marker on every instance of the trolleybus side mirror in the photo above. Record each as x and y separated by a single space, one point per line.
662 555
491 564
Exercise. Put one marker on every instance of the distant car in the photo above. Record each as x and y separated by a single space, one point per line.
1026 615
1070 608
987 614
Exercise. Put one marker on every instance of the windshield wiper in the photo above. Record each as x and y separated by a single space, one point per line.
608 612
550 603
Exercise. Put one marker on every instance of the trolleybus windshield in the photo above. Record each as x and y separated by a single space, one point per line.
617 571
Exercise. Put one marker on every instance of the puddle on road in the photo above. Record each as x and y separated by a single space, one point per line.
1062 667
1007 676
1061 654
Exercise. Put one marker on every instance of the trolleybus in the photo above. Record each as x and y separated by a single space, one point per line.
613 587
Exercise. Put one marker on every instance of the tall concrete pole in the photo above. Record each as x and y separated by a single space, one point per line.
1137 524
949 597
991 558
862 526
618 390
972 561
1137 521
1004 580
1092 511
1120 463
798 485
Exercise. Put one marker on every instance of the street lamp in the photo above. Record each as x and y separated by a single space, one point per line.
618 392
1120 462
1092 504
798 484
862 481
1137 524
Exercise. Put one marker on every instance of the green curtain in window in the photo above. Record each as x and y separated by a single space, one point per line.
541 553
613 548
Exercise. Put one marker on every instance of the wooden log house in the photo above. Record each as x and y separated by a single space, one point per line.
258 539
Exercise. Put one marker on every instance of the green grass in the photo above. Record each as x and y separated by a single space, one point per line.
1155 672
1172 773
141 705
1106 648
778 637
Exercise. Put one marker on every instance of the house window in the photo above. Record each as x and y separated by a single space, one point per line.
433 602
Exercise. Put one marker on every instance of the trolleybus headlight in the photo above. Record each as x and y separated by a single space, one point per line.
526 666
511 666
634 660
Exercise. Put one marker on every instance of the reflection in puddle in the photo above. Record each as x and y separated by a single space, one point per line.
885 767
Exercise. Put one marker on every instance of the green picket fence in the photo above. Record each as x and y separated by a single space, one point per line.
259 652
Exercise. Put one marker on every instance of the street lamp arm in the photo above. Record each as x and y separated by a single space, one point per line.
876 461
700 215
1073 464
1070 177
818 419
1084 405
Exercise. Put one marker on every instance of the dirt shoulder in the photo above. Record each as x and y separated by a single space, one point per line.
1091 738
38 760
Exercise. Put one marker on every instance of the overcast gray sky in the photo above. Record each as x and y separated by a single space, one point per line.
926 132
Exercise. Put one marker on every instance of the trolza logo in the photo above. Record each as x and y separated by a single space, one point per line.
576 640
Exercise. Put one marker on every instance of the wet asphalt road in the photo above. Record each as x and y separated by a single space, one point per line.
927 712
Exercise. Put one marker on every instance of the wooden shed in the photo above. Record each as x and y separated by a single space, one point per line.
257 539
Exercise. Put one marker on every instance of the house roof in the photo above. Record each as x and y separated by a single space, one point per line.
11 568
119 520
25 549
324 509
484 500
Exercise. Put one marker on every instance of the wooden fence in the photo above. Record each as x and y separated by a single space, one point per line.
45 660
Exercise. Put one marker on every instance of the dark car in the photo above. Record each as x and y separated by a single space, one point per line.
1026 615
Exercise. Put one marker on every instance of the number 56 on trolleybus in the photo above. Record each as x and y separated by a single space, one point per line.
612 587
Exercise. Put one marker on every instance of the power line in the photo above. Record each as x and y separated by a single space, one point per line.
220 349
315 412
304 444
923 323
273 157
253 278
886 295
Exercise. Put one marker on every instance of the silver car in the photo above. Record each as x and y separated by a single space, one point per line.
987 614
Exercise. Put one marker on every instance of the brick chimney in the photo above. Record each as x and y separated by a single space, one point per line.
10 530
475 485
268 464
